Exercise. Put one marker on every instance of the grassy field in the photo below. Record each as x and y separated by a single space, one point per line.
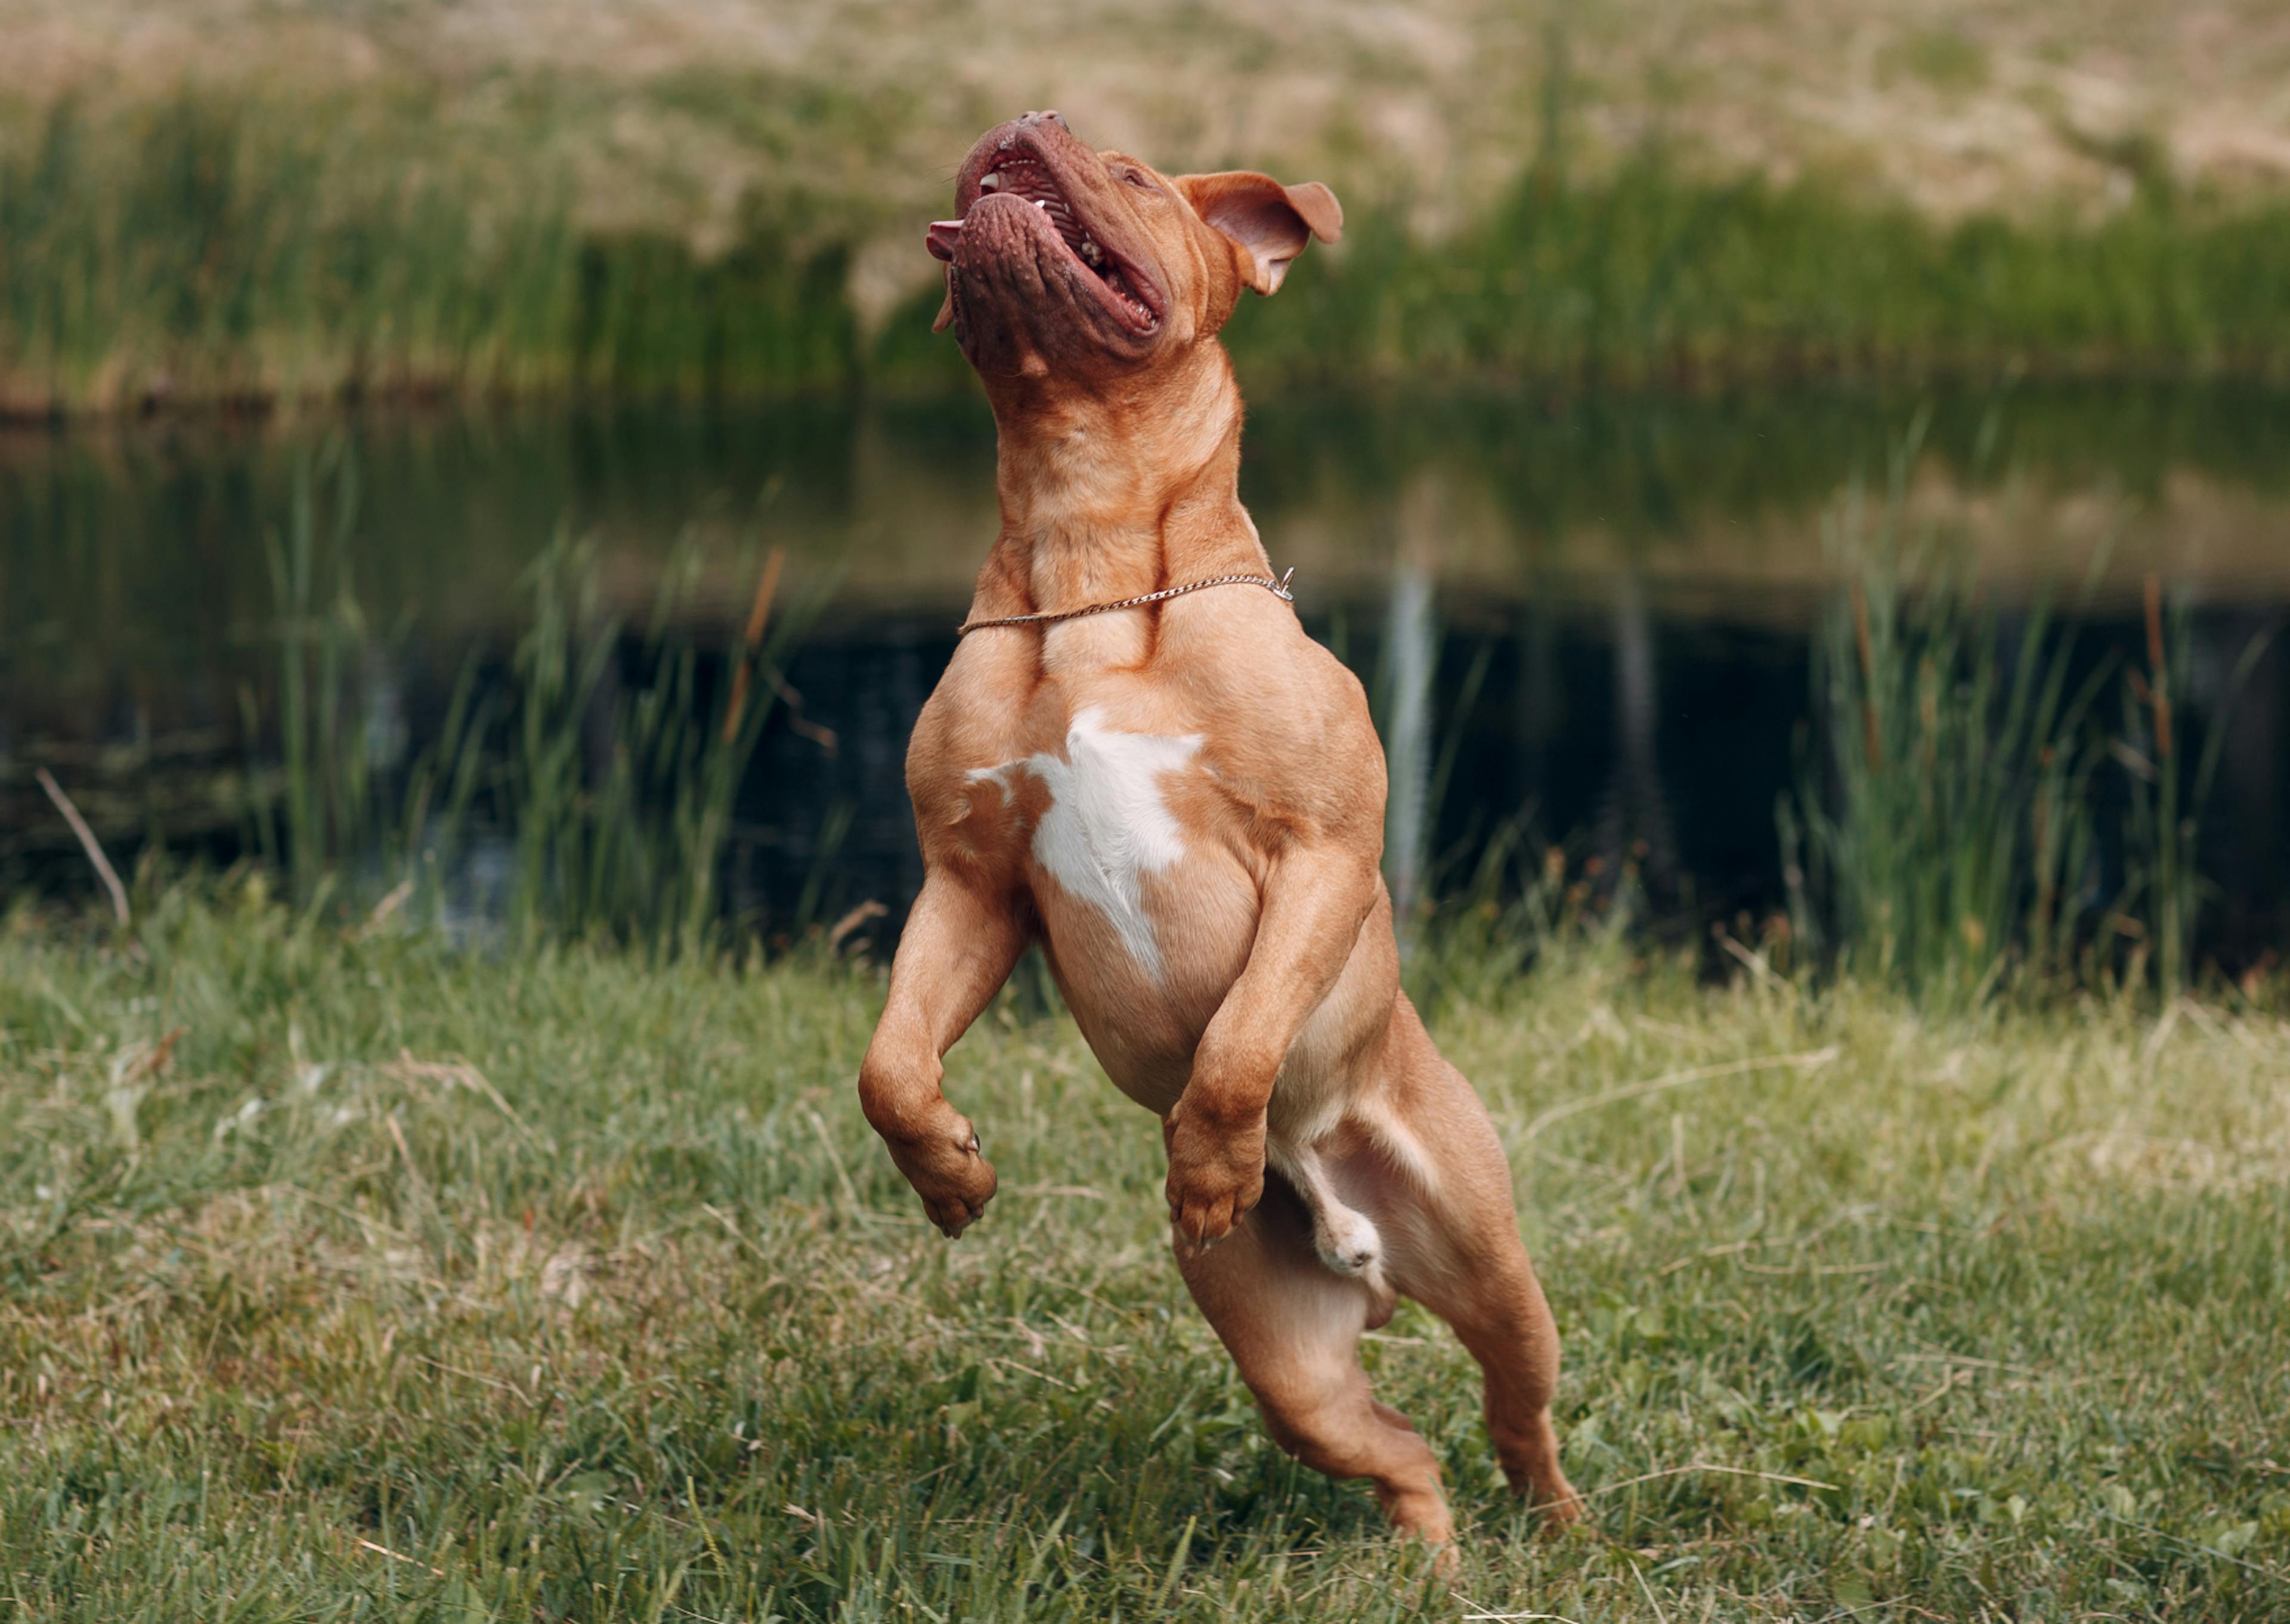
348 1275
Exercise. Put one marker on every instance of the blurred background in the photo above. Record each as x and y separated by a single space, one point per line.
1795 477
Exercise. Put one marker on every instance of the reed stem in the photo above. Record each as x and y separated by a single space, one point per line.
88 843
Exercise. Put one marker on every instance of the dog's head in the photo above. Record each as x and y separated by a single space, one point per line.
1063 259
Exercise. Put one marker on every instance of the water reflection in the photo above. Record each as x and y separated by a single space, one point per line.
1636 816
1407 727
1587 617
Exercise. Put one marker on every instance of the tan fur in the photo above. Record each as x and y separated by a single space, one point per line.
1269 1017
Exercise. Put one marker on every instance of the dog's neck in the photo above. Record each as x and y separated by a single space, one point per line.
1111 491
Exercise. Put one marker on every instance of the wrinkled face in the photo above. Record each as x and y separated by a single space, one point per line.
1063 261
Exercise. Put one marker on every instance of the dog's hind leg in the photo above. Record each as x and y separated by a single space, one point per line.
1292 1326
1443 1199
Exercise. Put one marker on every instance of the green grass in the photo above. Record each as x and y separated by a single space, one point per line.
576 1285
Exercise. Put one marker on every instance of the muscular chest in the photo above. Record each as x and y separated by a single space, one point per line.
1103 818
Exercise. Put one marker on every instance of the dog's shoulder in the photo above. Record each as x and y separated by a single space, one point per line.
1252 656
974 719
1286 723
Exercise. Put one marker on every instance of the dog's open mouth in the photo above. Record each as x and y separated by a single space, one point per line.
1019 174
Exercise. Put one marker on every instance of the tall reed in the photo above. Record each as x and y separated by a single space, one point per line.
1965 813
329 798
1943 826
247 251
625 753
598 772
2166 788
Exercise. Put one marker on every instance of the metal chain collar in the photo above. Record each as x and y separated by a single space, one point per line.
1279 588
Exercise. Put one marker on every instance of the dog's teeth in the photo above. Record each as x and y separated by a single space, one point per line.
1043 207
989 182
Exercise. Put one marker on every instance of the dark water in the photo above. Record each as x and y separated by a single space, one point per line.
1585 619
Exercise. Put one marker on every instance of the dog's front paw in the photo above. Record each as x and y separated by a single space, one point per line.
942 1162
1216 1174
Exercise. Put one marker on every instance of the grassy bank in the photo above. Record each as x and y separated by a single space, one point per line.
1650 277
351 1277
250 250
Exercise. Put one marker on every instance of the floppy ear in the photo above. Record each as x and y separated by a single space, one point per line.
1269 223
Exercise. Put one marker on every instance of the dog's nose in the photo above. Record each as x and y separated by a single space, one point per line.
1048 114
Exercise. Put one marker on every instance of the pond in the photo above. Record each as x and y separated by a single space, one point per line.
1582 621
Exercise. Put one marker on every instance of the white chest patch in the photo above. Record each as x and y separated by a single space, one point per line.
1108 826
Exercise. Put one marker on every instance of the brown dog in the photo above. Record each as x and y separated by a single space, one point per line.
1183 803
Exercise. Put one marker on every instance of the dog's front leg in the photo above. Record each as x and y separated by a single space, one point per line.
1314 903
958 948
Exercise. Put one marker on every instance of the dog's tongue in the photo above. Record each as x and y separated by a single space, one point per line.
941 237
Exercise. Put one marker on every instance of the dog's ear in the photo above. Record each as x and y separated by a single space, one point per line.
1269 223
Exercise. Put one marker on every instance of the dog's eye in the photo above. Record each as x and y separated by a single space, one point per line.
1136 178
